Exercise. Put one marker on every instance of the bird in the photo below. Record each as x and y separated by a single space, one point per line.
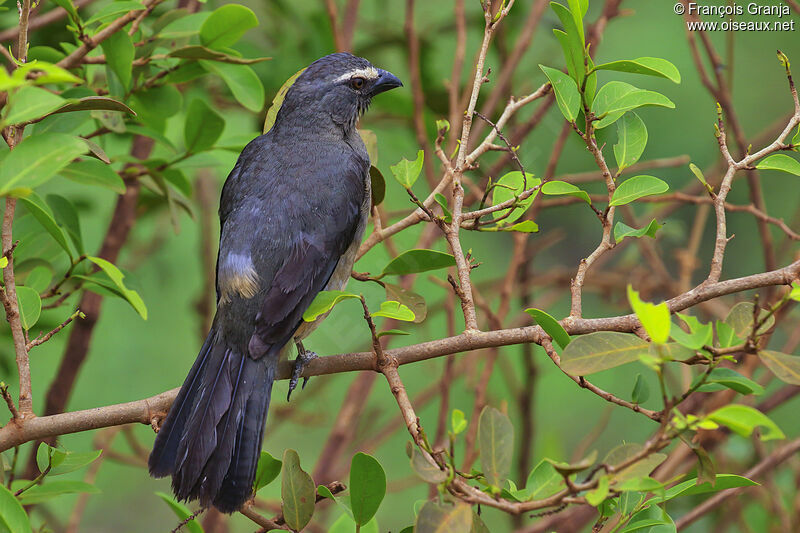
293 211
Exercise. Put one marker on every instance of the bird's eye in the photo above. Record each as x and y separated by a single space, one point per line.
357 83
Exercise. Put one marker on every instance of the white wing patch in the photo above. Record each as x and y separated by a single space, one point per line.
237 276
369 73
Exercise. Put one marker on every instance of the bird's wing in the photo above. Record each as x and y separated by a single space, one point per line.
312 258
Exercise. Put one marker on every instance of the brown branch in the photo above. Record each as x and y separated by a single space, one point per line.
13 136
46 337
143 411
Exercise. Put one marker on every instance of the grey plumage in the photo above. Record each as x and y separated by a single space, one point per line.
292 213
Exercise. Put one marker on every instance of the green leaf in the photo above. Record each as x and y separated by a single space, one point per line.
622 230
780 162
601 350
64 461
183 26
743 419
639 469
559 188
785 367
13 518
324 302
47 455
632 100
428 472
794 294
44 215
93 172
543 481
114 10
67 217
637 187
435 518
120 53
52 489
116 277
267 470
203 126
651 519
241 80
367 487
640 392
277 102
29 103
406 172
691 487
442 201
606 96
69 7
46 73
740 318
721 378
392 332
649 66
615 98
226 25
396 311
182 512
632 140
30 306
418 260
551 326
90 103
526 226
38 278
654 318
699 175
726 335
201 52
510 186
597 495
701 334
345 524
378 183
496 444
572 42
567 469
458 422
37 159
566 91
297 492
410 299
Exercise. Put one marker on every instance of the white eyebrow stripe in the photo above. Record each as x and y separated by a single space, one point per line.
370 73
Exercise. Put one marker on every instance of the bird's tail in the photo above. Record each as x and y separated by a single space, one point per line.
211 439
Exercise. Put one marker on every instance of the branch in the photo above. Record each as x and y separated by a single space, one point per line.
145 411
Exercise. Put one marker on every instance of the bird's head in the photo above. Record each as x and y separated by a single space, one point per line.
336 88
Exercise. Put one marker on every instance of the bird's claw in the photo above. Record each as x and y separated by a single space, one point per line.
303 358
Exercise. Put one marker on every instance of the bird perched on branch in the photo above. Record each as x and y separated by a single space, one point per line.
292 215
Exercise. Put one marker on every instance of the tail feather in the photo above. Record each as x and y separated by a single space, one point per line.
238 481
162 459
211 438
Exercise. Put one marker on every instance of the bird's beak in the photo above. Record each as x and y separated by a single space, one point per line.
386 81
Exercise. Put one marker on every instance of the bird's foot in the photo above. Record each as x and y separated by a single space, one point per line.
303 358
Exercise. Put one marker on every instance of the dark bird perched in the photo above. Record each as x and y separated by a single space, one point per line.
292 215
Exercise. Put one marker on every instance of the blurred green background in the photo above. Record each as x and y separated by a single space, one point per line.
131 358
